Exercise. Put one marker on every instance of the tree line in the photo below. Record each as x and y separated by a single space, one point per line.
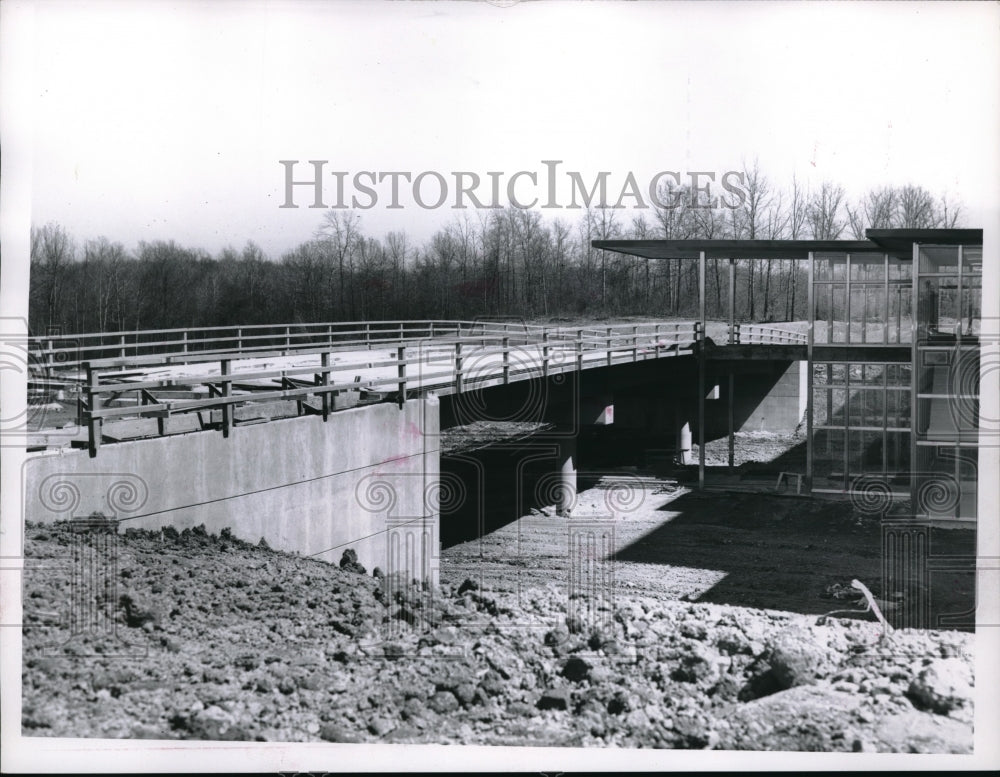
503 262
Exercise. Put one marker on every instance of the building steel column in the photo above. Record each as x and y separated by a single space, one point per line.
732 420
732 301
914 370
701 370
732 380
811 318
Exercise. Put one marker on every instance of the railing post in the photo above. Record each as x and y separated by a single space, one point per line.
325 381
635 344
506 359
545 354
227 409
458 366
93 410
400 333
430 333
184 340
608 345
401 372
736 334
329 335
121 342
579 350
239 339
288 337
368 336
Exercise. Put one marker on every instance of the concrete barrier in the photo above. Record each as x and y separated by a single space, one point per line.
364 479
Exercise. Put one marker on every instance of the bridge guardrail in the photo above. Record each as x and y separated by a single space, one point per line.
138 347
758 334
556 348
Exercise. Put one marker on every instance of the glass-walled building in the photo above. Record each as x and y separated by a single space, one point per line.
900 409
891 362
947 286
861 432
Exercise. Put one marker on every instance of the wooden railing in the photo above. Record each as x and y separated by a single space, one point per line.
459 357
61 353
758 334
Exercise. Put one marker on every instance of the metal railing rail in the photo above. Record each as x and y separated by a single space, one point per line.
64 353
492 355
758 334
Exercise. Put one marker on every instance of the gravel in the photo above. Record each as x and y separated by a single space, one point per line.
216 639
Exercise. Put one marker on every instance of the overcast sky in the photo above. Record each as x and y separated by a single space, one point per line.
168 121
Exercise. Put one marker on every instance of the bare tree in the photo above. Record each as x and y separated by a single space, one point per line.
338 234
824 212
916 208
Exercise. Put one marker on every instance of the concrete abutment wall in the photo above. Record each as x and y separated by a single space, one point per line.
366 479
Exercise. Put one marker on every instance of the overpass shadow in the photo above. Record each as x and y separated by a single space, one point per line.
783 553
492 487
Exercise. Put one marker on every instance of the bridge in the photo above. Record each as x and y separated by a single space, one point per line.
315 437
205 425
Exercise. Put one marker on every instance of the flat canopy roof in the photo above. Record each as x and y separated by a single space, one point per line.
893 241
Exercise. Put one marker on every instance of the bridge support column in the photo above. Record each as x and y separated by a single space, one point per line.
567 473
684 442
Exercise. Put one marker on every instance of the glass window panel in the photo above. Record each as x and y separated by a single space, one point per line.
875 314
822 407
864 453
856 329
821 268
828 458
838 313
867 267
972 260
971 308
900 269
937 307
897 447
867 407
899 314
836 406
967 475
892 405
938 259
897 404
936 419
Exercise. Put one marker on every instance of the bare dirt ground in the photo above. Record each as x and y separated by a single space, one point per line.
705 635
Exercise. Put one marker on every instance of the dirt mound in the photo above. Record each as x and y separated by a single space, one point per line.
212 638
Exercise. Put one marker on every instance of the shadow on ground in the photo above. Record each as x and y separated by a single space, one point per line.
783 552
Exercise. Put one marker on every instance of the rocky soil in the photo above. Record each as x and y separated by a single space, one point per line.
213 638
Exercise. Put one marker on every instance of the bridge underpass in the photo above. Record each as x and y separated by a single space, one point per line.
316 450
